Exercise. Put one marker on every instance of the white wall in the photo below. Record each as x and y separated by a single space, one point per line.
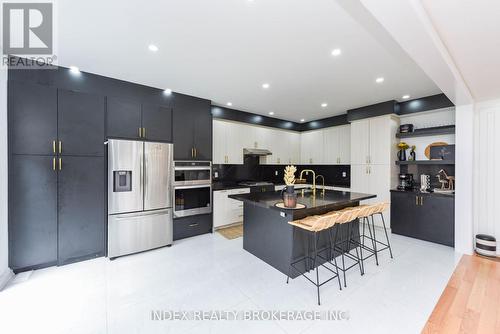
5 272
486 167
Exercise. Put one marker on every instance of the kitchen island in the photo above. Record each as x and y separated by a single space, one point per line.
266 232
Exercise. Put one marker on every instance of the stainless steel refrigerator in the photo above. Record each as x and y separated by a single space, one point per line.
140 185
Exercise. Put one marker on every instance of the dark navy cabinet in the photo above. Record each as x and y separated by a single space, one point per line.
193 129
80 208
80 119
123 118
134 120
157 122
429 217
191 226
32 118
32 212
56 176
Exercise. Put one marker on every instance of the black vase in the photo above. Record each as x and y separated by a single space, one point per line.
402 155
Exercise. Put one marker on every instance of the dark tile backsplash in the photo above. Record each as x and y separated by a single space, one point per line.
338 175
431 170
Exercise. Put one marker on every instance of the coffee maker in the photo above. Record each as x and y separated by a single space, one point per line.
405 182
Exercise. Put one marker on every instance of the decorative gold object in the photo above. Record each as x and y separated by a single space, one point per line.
447 182
289 177
323 189
314 180
427 151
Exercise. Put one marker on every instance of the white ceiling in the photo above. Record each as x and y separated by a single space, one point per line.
224 50
470 29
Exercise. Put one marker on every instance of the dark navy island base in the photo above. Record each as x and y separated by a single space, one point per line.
266 232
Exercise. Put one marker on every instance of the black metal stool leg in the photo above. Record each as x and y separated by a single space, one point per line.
374 240
332 245
386 236
351 237
361 248
314 261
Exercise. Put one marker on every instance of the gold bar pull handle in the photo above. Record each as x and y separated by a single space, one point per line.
60 147
60 163
421 200
416 200
54 146
140 132
195 152
143 132
53 163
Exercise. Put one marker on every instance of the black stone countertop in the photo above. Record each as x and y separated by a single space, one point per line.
332 198
226 185
419 193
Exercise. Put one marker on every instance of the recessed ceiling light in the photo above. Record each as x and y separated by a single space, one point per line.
302 120
167 91
152 47
324 105
271 113
266 85
74 70
379 80
406 96
229 104
336 52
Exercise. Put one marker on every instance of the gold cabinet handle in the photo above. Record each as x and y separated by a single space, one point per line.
416 200
60 147
143 132
140 132
421 200
60 163
195 152
53 163
54 146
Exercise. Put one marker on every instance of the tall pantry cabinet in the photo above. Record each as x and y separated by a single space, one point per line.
373 155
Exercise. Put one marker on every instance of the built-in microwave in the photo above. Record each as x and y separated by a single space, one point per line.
192 173
192 188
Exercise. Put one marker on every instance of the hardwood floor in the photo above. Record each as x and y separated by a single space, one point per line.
470 302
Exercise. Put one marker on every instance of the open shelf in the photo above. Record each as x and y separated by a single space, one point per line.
426 162
438 130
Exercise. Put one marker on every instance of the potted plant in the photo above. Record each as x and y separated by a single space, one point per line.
402 146
288 193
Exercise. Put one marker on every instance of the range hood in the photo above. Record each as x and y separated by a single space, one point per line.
256 151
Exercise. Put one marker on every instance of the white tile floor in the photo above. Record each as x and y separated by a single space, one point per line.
211 273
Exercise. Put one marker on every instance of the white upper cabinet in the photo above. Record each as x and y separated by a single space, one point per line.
337 145
381 138
227 142
372 140
360 141
230 138
344 144
312 147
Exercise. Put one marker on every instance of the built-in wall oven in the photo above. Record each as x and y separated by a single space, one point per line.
192 188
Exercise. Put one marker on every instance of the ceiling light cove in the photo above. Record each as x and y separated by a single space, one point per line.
379 80
336 52
229 104
74 70
167 91
406 97
266 85
152 48
324 105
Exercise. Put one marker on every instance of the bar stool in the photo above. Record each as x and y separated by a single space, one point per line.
314 226
371 211
345 220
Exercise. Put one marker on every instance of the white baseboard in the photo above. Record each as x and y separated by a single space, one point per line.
5 277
